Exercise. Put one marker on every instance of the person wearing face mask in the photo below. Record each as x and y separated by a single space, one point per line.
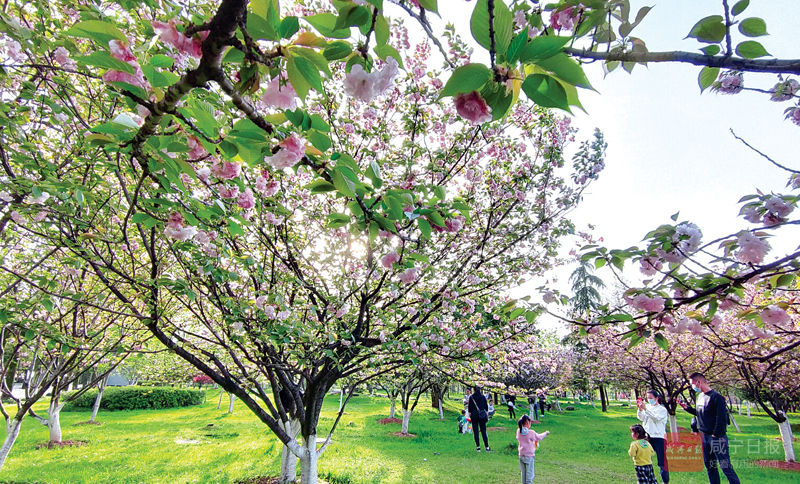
654 416
712 421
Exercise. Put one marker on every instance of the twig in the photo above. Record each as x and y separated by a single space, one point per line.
762 154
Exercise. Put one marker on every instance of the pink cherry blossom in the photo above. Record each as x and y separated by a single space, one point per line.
731 82
17 217
272 219
473 108
752 216
760 332
359 84
175 220
793 114
225 170
650 266
120 51
203 174
292 150
61 56
563 19
794 180
520 19
751 249
384 79
778 206
548 297
183 234
645 303
389 259
246 199
775 316
202 238
269 312
186 46
260 300
283 315
196 148
784 91
409 275
278 96
454 224
730 302
226 191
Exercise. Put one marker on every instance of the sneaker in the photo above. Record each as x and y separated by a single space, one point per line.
488 449
478 449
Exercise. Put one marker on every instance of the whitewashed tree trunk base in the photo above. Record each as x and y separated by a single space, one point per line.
735 424
787 437
288 459
219 403
441 410
406 419
308 460
12 429
230 406
96 405
392 409
673 427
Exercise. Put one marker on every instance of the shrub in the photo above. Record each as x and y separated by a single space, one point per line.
139 398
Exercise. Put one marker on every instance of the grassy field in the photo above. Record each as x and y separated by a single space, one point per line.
585 446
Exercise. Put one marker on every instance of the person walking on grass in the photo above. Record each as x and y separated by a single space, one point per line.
511 402
479 412
542 401
642 454
528 440
654 416
712 421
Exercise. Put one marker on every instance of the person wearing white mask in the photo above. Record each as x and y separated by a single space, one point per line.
654 416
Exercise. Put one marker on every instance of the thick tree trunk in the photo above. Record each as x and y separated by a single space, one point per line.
406 419
230 406
12 429
53 422
787 438
308 460
393 407
435 397
673 427
441 410
288 459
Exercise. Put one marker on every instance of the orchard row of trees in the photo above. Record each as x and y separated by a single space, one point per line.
287 196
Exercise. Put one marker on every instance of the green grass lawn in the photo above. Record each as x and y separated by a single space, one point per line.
585 446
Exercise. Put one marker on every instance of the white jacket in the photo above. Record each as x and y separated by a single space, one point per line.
654 420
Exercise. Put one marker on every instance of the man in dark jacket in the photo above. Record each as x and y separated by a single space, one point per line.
712 421
479 413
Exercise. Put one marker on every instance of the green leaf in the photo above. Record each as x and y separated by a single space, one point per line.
436 218
517 45
320 186
144 219
234 228
753 27
352 15
675 216
260 28
503 25
543 48
337 50
385 51
566 69
296 77
289 27
498 98
545 91
750 49
707 77
344 185
318 60
374 174
30 335
325 24
465 79
661 341
336 220
104 60
96 30
161 61
158 79
710 30
319 140
739 7
381 30
712 49
599 262
424 227
430 5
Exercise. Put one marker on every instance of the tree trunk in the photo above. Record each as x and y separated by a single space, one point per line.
308 460
53 422
393 406
341 398
441 410
406 418
288 459
12 429
740 408
748 410
435 397
603 404
673 427
787 438
230 406
733 420
219 404
101 388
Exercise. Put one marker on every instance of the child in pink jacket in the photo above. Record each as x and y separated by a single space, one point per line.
528 441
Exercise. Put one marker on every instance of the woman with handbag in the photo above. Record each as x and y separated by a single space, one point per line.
479 410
